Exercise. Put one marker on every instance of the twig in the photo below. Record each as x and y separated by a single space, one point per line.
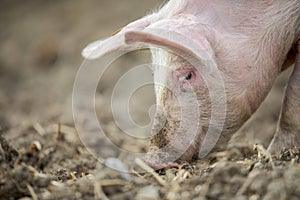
137 174
73 175
59 135
263 153
247 183
58 129
33 194
294 160
39 129
98 192
147 168
112 182
67 129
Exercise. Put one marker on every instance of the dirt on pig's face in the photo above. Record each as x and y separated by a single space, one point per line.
184 115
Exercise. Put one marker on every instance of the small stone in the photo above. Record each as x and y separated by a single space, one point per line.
118 165
148 193
254 197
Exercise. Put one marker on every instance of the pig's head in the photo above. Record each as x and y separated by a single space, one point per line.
193 115
198 107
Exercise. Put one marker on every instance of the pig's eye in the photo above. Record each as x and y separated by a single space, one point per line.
188 76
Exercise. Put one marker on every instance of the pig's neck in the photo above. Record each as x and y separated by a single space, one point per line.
251 48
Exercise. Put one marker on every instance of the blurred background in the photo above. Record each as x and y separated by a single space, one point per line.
40 53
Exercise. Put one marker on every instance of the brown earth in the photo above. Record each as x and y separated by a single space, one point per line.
41 155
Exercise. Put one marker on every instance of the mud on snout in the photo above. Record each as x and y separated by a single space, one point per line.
171 143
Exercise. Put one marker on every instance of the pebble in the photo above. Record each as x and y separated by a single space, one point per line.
148 193
118 165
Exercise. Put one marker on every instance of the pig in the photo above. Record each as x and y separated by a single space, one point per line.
250 42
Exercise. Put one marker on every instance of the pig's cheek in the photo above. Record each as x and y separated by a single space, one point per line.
186 87
191 85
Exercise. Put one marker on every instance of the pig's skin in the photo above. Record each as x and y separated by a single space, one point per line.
251 41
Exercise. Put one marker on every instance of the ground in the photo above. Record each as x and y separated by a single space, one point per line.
41 155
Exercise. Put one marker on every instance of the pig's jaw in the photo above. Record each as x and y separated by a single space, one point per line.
164 152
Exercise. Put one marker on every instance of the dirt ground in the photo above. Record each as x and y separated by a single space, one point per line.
41 155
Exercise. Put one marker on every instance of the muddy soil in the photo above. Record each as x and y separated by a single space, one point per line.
41 155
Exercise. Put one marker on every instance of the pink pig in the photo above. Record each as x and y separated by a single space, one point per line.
249 41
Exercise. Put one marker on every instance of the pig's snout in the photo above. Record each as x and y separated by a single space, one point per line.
160 154
168 144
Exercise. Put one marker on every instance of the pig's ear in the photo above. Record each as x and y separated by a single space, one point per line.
155 39
116 42
198 48
102 47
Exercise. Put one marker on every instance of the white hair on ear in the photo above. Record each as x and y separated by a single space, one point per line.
171 7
